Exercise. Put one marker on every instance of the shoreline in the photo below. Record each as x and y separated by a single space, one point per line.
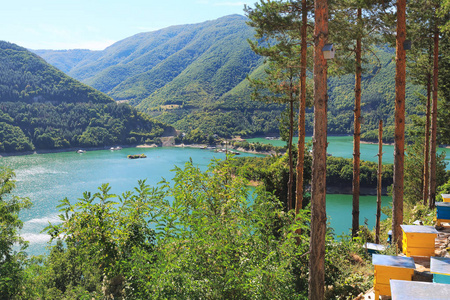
46 151
202 146
392 144
198 146
167 142
376 143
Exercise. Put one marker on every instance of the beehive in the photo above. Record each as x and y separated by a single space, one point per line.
390 267
373 248
418 240
446 197
443 213
440 267
417 290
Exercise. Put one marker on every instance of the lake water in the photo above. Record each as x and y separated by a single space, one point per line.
48 178
342 146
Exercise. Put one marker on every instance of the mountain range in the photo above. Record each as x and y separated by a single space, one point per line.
43 108
195 77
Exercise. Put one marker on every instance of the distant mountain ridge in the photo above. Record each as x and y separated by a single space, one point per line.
43 108
158 57
181 74
194 77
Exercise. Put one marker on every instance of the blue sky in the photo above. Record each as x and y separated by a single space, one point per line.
96 24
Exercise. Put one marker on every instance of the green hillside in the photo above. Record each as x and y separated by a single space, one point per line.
377 100
42 108
194 76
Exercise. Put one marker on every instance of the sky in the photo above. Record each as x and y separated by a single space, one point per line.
97 24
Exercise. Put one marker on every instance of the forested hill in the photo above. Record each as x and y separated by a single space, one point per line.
42 108
28 78
134 68
194 76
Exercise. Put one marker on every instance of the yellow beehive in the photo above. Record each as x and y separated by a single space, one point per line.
419 240
390 267
446 197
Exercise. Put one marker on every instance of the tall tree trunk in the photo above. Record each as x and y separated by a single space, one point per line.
356 135
426 154
399 140
432 191
379 181
318 183
301 114
291 166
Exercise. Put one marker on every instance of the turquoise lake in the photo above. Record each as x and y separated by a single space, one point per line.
48 178
342 146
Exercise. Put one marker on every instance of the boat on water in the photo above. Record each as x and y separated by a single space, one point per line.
115 148
134 156
81 151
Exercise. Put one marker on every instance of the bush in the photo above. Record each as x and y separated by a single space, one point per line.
12 246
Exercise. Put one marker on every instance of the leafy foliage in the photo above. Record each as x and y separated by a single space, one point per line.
48 126
339 173
413 188
12 246
273 172
202 235
444 103
13 139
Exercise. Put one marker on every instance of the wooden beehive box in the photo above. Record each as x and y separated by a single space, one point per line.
442 212
440 267
418 240
417 290
446 197
389 267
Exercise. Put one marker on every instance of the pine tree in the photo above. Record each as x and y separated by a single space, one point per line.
399 139
282 27
361 20
318 182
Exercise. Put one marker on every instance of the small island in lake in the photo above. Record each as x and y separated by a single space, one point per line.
134 156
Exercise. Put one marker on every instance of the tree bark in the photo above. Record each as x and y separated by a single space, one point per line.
301 114
291 166
379 181
357 135
318 183
432 189
399 139
426 154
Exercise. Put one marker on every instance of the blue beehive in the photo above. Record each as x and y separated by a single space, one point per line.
443 212
440 267
417 290
373 248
